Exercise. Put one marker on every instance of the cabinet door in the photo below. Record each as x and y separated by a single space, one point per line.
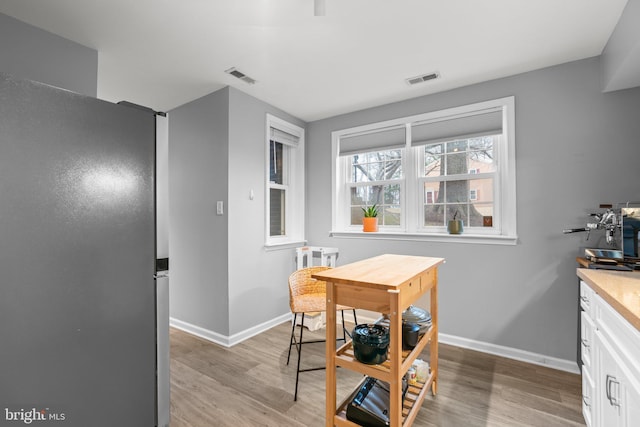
586 297
608 385
587 328
588 401
631 411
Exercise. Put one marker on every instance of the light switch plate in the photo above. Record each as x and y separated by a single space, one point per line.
219 207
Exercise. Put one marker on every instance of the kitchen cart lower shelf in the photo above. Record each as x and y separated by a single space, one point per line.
410 405
345 358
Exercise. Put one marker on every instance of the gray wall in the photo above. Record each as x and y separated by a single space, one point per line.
621 55
222 278
198 167
576 147
31 53
258 290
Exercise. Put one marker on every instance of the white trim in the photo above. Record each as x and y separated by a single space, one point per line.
284 245
511 353
224 340
294 184
486 239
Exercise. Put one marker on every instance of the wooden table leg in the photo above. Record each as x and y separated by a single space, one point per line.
434 338
330 355
395 353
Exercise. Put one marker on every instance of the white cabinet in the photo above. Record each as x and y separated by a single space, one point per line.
610 353
587 334
619 400
588 401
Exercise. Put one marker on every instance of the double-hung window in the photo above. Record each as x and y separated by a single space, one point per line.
284 183
425 170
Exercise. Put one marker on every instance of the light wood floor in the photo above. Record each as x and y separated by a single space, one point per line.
251 385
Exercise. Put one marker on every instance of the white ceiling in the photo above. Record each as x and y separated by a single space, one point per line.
164 53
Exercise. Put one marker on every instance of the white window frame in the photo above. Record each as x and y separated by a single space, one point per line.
293 184
504 230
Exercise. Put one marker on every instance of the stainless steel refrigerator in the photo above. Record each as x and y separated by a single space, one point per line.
78 308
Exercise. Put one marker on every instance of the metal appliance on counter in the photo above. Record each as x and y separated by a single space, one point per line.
621 225
80 321
609 220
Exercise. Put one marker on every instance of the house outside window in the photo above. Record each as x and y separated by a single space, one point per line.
284 183
422 170
446 167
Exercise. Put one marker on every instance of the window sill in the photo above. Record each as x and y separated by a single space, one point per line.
284 245
482 239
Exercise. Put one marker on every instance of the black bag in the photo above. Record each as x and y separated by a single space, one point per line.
370 406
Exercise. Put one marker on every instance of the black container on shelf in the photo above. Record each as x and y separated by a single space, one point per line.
417 315
410 335
370 343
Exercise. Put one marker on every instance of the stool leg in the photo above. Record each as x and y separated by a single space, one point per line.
299 348
355 320
344 330
293 328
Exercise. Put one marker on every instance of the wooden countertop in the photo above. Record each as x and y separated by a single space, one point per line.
621 289
387 271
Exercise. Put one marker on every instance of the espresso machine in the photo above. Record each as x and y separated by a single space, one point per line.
621 226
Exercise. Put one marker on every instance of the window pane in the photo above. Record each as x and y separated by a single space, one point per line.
376 166
394 169
432 192
459 211
276 212
457 164
433 160
391 215
480 212
482 188
391 194
457 191
276 152
386 197
434 215
459 146
356 215
481 158
367 195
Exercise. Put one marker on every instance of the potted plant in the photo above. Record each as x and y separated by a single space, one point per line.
370 220
455 225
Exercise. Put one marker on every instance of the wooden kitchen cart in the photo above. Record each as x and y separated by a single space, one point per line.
385 284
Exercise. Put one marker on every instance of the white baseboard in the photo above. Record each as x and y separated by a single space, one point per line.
225 340
511 353
485 347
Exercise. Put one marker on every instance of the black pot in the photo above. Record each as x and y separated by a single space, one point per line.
370 343
417 315
410 335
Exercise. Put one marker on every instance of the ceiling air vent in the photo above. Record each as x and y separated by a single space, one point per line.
422 78
240 75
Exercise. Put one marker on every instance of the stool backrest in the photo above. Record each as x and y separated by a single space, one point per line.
301 282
